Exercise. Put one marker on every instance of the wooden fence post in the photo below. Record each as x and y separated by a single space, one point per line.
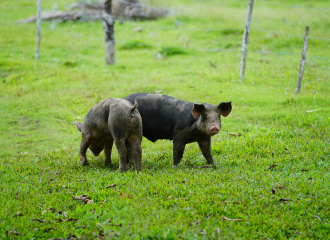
108 22
246 39
37 55
303 60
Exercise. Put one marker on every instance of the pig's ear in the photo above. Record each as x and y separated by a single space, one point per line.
197 110
225 108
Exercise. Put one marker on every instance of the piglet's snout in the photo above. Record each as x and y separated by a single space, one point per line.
214 130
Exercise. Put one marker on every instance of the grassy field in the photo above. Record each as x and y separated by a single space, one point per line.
273 178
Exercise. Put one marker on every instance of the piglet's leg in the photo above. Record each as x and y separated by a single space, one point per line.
129 157
205 146
107 152
82 151
122 151
178 149
137 152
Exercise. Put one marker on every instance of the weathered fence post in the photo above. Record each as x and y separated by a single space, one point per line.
303 60
37 55
246 39
108 22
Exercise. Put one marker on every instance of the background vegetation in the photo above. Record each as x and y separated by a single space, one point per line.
39 164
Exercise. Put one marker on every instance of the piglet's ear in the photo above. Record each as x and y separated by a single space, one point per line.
225 108
197 110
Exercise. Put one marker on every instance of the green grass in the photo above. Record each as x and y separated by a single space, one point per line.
39 163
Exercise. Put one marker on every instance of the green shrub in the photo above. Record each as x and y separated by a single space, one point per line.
134 45
171 51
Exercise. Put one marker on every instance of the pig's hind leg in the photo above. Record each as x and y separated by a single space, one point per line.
122 151
129 156
107 152
136 150
85 141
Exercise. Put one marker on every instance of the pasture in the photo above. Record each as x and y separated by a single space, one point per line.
271 179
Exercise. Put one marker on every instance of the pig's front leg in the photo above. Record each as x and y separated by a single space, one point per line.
178 149
205 146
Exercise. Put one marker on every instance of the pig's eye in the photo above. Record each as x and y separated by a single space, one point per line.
205 116
219 116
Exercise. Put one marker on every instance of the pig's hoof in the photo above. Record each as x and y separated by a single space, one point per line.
84 163
108 164
83 160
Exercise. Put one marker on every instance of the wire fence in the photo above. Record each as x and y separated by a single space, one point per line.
289 35
180 28
196 48
220 3
181 7
292 6
190 7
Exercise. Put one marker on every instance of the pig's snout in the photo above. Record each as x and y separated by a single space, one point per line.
214 130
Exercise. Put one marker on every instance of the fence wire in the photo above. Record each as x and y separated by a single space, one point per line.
9 23
293 6
197 7
289 35
288 53
178 28
13 7
220 3
181 7
320 58
269 52
220 29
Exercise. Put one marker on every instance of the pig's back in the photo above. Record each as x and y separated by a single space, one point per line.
97 118
161 114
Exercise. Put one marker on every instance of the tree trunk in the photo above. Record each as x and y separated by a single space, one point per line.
246 39
108 23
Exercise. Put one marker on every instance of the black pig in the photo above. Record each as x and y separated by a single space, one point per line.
110 120
165 117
